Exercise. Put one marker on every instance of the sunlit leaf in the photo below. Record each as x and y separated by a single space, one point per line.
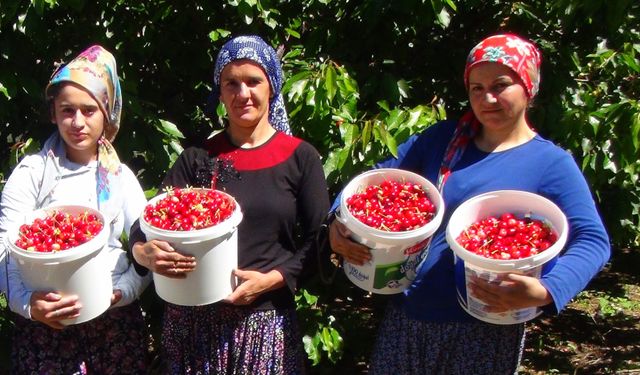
170 128
330 82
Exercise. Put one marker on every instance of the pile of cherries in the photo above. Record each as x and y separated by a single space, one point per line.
58 231
392 206
189 209
507 237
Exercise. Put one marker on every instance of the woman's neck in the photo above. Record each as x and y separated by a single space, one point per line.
82 157
503 139
250 137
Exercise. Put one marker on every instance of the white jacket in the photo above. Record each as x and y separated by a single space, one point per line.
74 184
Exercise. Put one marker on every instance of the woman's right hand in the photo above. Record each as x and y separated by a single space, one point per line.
50 308
340 242
161 258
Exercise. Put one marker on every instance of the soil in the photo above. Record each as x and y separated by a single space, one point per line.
598 332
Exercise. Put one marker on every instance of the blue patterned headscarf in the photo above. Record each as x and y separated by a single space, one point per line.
252 47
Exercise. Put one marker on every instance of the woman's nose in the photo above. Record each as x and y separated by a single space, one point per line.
78 119
243 90
490 97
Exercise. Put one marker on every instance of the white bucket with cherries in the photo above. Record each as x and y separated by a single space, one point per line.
536 230
397 239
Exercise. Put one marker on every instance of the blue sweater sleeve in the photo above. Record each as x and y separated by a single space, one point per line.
587 249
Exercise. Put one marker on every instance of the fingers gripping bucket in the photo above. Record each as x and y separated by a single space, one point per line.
80 271
216 252
394 255
468 264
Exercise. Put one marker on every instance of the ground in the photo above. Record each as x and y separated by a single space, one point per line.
598 333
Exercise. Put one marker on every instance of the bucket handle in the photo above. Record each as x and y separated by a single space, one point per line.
225 236
340 218
191 242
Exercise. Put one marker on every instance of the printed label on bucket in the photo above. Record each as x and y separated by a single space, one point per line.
415 255
476 307
388 275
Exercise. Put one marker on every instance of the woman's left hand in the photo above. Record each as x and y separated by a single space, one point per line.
513 292
252 284
116 296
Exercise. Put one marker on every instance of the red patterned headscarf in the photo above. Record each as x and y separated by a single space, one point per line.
510 50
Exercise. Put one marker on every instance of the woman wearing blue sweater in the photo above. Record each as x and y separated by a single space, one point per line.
493 147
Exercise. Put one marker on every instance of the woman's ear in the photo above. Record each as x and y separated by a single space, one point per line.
52 112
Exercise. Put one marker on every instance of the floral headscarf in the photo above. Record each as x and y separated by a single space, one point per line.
253 48
95 70
510 50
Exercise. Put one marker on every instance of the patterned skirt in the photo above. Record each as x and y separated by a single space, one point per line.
113 343
407 346
225 339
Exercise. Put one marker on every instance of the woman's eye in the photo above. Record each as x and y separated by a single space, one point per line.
500 86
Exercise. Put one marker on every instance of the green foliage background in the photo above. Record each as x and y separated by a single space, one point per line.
362 76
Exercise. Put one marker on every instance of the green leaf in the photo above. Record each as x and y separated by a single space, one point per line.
414 116
176 146
330 82
635 131
403 88
311 348
38 6
384 105
4 91
367 133
292 32
170 129
296 90
388 140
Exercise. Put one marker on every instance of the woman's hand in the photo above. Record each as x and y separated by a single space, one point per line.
340 242
253 284
116 296
161 258
513 292
50 308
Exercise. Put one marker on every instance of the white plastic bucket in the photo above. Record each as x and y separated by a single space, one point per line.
468 264
394 255
216 252
79 271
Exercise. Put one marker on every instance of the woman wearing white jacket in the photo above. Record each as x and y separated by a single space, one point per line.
78 165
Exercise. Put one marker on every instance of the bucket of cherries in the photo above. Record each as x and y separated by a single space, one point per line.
58 249
393 212
501 232
202 223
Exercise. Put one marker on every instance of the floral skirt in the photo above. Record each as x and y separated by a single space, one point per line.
407 346
225 339
113 343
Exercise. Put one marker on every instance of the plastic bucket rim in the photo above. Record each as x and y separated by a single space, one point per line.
214 231
498 264
386 237
86 249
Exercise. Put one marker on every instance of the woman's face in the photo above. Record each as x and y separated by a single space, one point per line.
80 122
245 92
498 97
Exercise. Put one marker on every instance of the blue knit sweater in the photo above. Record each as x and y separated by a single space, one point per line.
537 166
